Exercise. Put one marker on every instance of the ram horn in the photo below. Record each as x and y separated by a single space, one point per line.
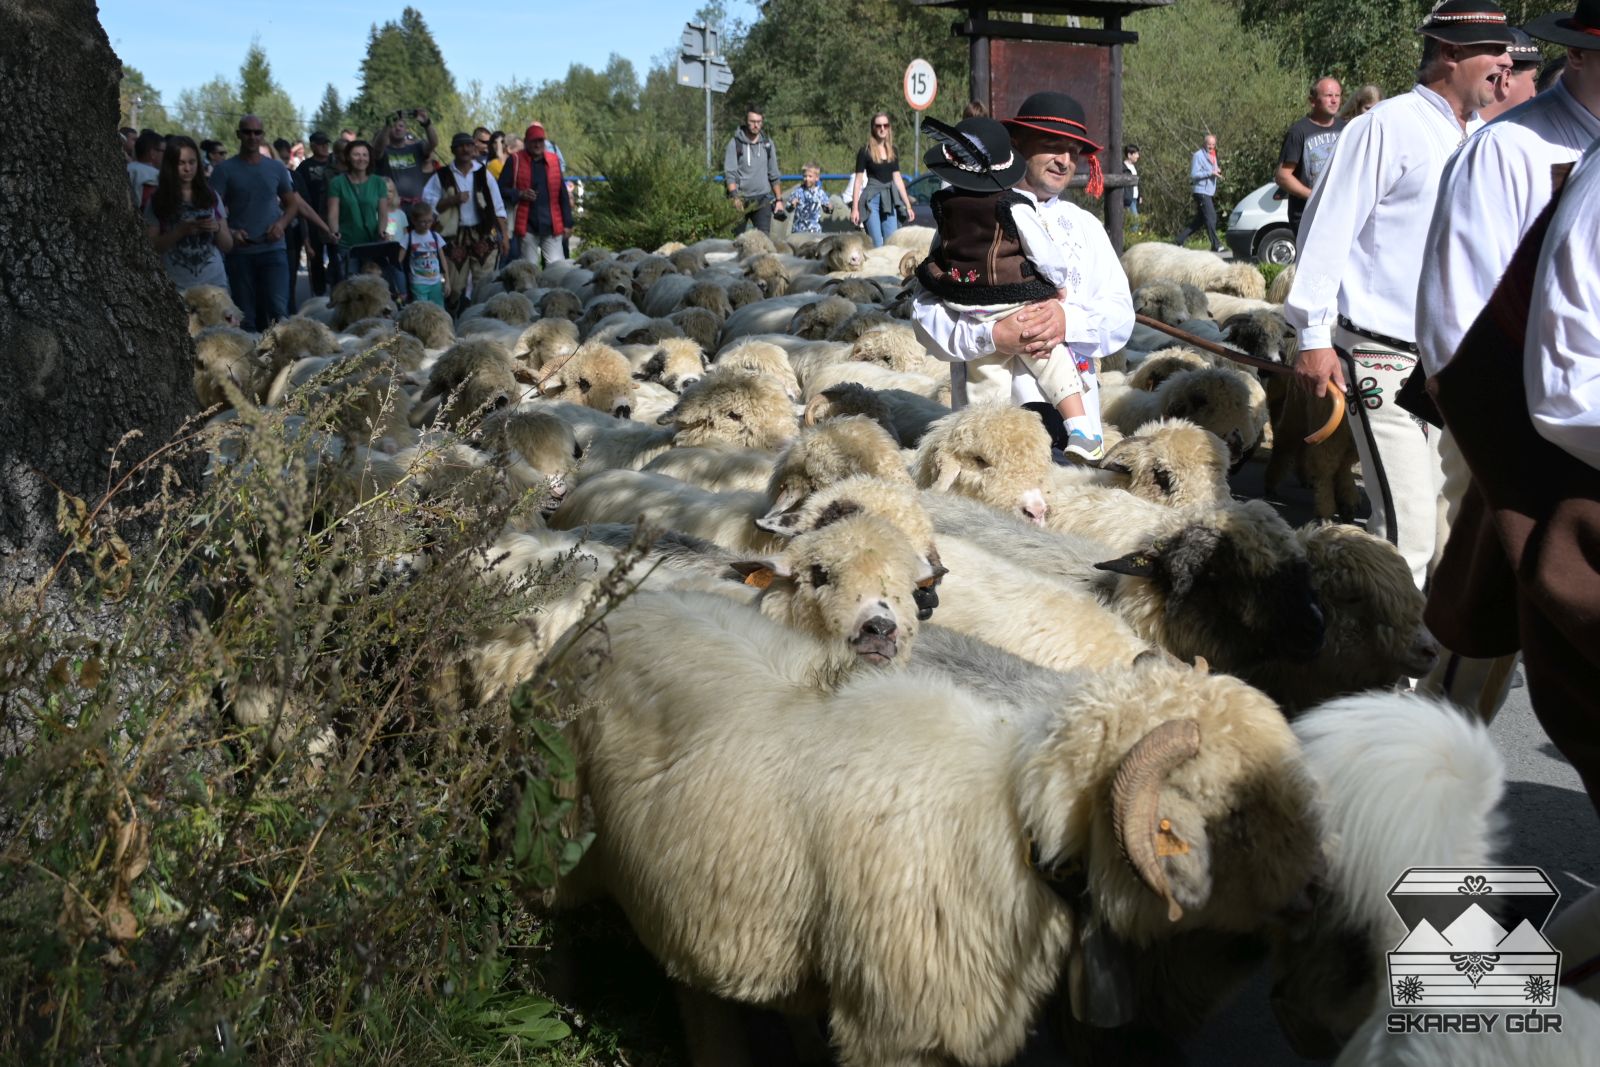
1136 795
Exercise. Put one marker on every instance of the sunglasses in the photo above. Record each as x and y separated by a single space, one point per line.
880 125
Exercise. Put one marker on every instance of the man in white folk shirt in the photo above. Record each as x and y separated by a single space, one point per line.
1361 244
1095 319
472 220
1491 191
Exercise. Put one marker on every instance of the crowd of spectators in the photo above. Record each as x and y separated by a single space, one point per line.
248 220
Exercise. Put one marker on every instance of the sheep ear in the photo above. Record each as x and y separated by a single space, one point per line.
1141 564
948 469
550 386
668 417
760 572
784 514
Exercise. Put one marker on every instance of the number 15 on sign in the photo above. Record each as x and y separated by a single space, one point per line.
921 87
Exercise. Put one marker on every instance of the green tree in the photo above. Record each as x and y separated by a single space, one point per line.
403 68
151 114
1173 96
210 110
255 77
330 113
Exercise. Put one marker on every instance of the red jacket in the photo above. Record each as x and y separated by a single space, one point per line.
535 187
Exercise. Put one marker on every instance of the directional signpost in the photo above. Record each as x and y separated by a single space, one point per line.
921 86
701 66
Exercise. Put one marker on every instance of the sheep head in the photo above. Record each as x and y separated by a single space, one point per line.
428 322
844 252
560 303
614 278
1181 794
822 455
1375 633
546 341
1219 400
850 584
735 407
596 376
210 305
893 501
363 296
817 319
510 307
894 348
519 275
677 364
710 296
995 454
1172 462
542 441
1232 585
769 274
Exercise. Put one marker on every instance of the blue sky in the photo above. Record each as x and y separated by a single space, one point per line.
178 44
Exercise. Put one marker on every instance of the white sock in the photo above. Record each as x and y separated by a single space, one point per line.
1083 424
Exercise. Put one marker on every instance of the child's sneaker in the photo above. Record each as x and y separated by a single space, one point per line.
1082 445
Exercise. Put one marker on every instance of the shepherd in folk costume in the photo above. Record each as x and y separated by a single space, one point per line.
1491 192
1522 569
1023 245
1354 300
994 257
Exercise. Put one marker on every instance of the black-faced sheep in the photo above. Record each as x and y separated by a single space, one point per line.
1154 261
596 309
859 323
1262 333
210 305
428 323
1375 637
1173 799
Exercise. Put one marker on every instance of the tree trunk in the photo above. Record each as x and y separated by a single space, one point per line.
93 338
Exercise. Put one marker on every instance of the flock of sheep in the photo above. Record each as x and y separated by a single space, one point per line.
901 721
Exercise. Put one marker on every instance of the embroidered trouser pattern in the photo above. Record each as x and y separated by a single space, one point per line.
1399 452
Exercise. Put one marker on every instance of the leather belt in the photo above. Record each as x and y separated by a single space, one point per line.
1373 335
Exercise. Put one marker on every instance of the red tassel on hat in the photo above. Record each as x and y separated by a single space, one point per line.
1097 178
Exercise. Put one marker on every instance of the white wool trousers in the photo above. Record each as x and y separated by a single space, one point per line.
533 247
1479 686
1400 461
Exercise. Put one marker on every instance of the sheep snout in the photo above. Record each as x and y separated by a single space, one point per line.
877 637
1034 507
623 411
926 598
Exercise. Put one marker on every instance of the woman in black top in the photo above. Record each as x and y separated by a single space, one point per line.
880 192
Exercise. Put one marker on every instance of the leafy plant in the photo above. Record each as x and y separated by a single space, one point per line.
655 191
263 816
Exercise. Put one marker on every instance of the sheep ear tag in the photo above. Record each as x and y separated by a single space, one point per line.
756 573
1169 843
1135 564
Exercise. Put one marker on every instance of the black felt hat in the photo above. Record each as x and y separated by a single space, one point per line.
1468 22
1581 29
1054 113
1524 53
975 155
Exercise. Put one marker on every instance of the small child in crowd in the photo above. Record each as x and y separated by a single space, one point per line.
808 201
423 254
993 257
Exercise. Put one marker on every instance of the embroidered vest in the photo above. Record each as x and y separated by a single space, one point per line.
450 217
979 257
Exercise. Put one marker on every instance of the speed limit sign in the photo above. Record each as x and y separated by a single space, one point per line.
921 85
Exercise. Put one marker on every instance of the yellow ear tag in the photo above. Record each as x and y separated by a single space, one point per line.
1169 843
760 579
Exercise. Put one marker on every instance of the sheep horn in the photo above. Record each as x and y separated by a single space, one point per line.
1135 795
1333 417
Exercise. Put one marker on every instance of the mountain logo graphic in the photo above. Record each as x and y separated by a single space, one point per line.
1473 939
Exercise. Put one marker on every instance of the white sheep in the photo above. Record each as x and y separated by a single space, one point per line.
1152 261
892 874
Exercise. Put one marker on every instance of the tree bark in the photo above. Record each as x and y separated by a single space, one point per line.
93 338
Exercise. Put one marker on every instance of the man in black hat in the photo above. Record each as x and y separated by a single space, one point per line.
1050 135
1521 83
1354 300
1491 192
